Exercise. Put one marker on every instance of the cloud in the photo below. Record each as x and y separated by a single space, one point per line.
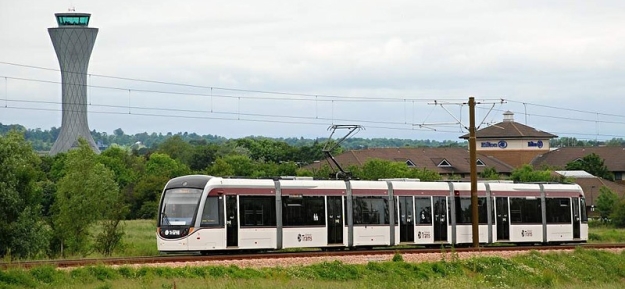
555 53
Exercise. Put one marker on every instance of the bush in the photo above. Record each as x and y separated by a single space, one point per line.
398 258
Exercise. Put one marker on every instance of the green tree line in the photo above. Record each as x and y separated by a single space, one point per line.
42 140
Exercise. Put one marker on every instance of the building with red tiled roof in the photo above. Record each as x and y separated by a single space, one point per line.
614 158
445 161
511 142
503 146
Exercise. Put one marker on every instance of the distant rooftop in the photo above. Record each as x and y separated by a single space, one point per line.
72 19
575 174
509 129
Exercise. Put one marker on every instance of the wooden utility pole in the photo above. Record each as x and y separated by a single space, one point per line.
473 161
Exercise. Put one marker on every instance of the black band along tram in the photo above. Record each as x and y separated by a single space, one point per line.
204 213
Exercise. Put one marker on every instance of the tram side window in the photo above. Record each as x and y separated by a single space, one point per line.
423 207
257 211
303 211
213 212
558 210
371 211
463 210
526 211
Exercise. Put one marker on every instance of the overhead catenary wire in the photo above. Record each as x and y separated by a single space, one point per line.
315 96
567 118
214 87
286 119
219 118
287 96
178 110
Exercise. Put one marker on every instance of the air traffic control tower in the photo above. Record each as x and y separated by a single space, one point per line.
73 42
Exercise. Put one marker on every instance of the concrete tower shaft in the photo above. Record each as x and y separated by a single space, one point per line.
73 42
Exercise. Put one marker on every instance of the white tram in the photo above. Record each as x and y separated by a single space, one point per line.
204 213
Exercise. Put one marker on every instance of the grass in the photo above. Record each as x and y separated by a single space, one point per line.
140 238
580 269
606 234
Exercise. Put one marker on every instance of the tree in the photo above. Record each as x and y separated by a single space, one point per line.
84 195
618 215
593 164
375 169
606 202
124 166
425 175
163 165
489 173
159 169
30 236
323 172
242 165
22 232
176 148
220 168
526 174
202 156
112 230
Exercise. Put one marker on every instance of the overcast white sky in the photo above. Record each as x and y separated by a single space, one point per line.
551 55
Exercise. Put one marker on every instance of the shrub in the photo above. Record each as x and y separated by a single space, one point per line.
398 257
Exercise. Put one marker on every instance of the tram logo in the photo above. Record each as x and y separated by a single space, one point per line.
304 237
424 235
172 232
526 233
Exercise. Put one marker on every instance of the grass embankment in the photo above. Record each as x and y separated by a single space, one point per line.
580 269
606 234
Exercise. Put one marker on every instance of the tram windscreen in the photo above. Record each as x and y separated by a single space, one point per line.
179 206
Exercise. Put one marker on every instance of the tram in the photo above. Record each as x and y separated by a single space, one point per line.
205 213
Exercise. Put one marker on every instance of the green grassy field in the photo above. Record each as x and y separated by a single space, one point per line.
580 269
606 235
140 238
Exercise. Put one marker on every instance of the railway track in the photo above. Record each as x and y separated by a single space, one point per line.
68 263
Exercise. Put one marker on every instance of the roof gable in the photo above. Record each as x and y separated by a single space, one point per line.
444 163
510 129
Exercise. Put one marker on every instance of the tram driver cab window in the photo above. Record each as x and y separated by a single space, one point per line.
212 214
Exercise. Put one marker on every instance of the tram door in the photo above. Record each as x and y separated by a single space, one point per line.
335 220
440 218
406 217
232 227
503 222
576 218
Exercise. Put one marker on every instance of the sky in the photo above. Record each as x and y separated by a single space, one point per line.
400 69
